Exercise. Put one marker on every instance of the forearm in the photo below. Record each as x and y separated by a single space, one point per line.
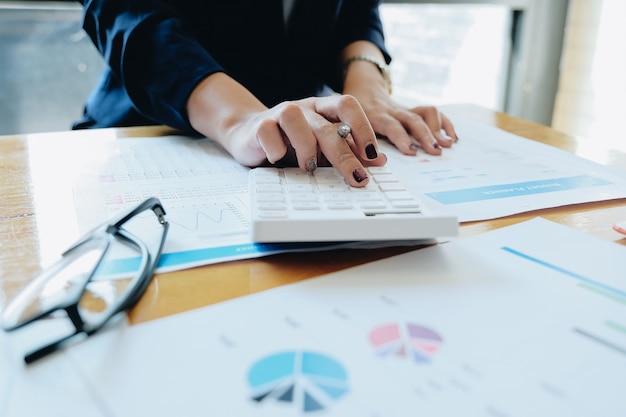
362 75
219 104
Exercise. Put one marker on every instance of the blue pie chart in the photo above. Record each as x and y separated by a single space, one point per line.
308 380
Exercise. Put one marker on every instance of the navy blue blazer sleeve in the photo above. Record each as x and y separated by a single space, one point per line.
157 51
147 48
357 20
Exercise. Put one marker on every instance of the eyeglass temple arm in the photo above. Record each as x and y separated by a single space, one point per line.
151 203
77 321
52 347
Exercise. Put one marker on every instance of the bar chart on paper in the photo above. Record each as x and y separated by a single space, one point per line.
308 381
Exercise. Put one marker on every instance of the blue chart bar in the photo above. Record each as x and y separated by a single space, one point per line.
519 189
127 265
564 271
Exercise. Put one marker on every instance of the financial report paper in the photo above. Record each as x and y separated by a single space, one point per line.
527 320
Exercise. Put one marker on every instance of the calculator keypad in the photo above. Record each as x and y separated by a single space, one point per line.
287 189
288 204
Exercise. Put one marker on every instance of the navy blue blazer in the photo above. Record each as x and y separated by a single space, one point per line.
157 51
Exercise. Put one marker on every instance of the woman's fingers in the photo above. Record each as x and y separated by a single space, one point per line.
298 133
408 132
420 127
347 110
287 138
339 152
359 147
302 131
270 137
336 129
448 127
434 120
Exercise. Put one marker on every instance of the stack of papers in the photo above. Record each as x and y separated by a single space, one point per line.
528 320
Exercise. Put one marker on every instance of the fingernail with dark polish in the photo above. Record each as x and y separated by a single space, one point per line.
311 164
359 175
435 145
370 151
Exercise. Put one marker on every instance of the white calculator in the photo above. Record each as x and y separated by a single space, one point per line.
291 205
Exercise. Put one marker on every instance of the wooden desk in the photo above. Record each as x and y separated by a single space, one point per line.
56 157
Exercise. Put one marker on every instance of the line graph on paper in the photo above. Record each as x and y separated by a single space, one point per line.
210 220
203 190
197 214
212 216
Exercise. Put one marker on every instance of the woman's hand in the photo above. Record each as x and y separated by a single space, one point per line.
409 129
302 133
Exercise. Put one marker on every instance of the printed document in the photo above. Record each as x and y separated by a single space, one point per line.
491 173
528 320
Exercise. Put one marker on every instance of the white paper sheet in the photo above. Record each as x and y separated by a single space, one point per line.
491 173
528 320
53 388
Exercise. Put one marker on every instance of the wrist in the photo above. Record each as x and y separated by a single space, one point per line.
363 66
218 103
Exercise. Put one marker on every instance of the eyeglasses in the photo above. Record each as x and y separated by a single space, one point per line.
80 285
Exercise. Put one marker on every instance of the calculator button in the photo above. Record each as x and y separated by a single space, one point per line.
297 177
334 197
271 205
268 178
382 178
331 187
405 204
272 214
299 188
370 188
340 205
303 197
399 195
373 204
329 178
379 170
392 186
368 196
270 197
306 205
268 188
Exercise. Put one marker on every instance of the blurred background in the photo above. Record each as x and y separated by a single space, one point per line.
555 62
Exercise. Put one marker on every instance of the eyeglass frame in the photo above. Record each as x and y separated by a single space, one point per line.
110 230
